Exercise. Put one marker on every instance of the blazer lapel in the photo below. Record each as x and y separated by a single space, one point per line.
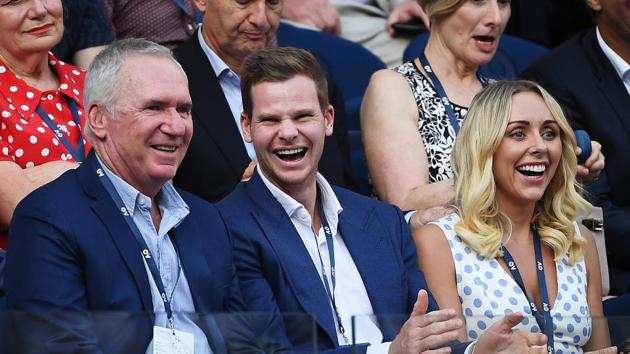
111 218
373 256
296 262
194 262
211 111
197 267
609 84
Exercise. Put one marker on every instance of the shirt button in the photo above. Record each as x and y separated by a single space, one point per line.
141 202
190 27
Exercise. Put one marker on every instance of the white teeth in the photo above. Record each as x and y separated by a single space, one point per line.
165 148
533 168
290 151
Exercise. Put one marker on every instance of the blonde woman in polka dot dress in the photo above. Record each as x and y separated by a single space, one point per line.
513 246
34 149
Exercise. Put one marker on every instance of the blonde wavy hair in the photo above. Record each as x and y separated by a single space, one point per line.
482 223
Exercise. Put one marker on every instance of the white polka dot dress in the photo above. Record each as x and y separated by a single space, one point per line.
487 292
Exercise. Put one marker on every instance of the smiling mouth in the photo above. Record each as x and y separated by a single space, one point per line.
290 154
40 29
532 170
165 148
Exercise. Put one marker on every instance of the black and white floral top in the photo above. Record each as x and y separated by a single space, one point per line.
438 136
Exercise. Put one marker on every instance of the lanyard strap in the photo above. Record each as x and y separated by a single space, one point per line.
198 15
545 322
77 153
450 112
182 5
331 253
144 249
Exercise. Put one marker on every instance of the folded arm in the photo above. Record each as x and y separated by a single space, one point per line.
16 183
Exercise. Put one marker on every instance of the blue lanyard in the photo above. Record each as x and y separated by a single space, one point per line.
450 112
182 6
77 153
545 322
331 253
144 249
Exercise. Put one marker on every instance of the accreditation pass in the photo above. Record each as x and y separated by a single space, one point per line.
171 341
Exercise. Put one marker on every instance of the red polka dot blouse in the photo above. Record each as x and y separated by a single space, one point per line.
24 136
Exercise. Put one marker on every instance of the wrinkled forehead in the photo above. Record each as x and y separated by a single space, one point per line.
145 76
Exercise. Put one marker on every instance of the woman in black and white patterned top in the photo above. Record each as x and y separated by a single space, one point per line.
438 135
408 132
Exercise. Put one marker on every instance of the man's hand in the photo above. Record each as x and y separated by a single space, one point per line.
320 14
422 331
421 217
594 165
249 171
404 12
501 338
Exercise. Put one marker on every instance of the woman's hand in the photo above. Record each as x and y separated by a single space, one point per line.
404 12
501 338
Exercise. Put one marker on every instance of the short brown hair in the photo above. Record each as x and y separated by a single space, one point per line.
278 65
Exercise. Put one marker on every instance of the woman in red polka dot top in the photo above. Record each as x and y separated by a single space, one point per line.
41 103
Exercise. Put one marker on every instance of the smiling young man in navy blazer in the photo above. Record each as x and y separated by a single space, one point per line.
304 246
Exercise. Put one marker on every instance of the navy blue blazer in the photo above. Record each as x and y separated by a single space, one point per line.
72 252
276 273
582 79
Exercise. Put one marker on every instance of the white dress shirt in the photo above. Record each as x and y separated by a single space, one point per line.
351 296
621 66
231 86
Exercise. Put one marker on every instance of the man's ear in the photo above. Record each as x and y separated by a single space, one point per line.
97 121
594 4
246 126
201 4
329 119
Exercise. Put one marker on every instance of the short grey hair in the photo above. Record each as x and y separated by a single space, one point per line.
102 77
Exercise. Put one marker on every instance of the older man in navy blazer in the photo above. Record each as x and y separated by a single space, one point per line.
302 245
110 258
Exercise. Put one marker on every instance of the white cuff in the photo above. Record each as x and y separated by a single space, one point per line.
469 348
382 348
